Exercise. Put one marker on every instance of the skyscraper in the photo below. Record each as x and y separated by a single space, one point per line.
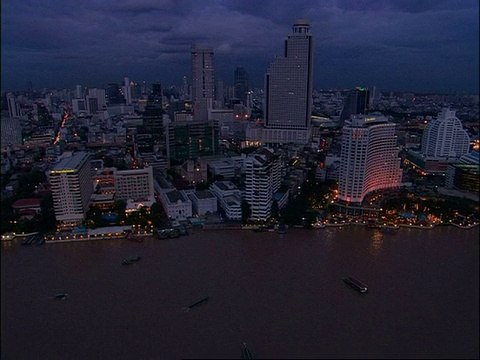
445 137
369 157
357 102
12 105
127 91
241 84
203 81
288 90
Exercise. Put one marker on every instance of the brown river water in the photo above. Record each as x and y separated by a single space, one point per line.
282 294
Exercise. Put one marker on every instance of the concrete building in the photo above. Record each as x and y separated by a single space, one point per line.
445 137
203 81
229 198
176 204
13 110
262 180
71 182
134 184
369 157
203 203
288 90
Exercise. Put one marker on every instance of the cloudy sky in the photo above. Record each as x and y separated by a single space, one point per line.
409 45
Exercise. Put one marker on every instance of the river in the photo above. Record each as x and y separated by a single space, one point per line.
282 294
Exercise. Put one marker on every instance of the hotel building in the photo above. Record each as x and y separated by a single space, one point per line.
445 137
369 157
134 184
71 182
288 90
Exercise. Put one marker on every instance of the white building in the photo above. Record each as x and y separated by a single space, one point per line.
134 184
263 179
445 137
176 205
369 157
71 181
288 90
203 202
229 198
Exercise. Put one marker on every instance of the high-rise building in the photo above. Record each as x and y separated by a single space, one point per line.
71 181
262 180
369 157
445 137
356 103
241 84
288 90
203 81
192 139
99 94
114 95
127 91
13 110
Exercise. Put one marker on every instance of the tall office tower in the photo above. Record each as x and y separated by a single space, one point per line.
99 94
263 179
219 94
71 181
114 95
288 90
185 88
203 81
356 103
369 157
78 92
241 84
156 95
134 184
127 91
445 137
13 109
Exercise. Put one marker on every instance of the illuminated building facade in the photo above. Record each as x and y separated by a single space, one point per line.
369 157
445 137
71 182
134 184
263 179
288 90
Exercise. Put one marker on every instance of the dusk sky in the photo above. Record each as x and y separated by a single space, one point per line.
417 45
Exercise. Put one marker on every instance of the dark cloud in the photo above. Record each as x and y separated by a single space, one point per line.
399 44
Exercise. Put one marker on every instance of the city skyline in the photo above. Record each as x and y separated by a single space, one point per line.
396 45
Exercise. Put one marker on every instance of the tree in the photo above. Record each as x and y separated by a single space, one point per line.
246 211
275 209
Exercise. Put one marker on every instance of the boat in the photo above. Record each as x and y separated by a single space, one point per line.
131 259
246 352
59 296
163 234
282 229
198 302
134 238
356 284
318 225
388 230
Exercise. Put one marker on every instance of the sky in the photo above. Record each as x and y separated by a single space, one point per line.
398 45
